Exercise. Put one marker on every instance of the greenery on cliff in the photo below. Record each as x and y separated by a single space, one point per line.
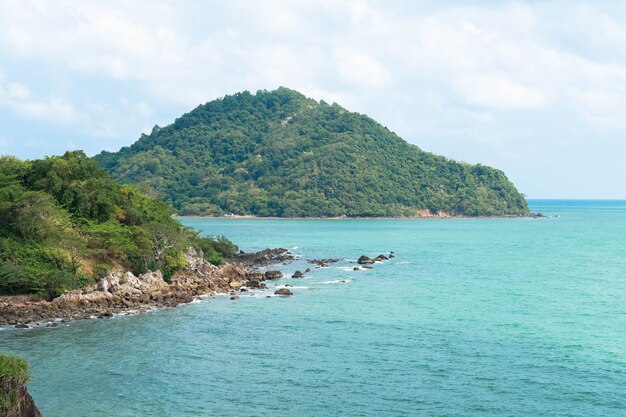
64 222
279 153
13 374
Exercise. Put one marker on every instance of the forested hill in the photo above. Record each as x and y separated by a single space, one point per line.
65 223
278 153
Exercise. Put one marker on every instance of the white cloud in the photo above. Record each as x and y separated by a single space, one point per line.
17 97
18 91
360 68
499 93
458 78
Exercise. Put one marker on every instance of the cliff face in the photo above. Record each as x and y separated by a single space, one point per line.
16 401
26 407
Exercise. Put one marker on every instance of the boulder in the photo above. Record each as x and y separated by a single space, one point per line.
273 274
285 292
297 274
365 260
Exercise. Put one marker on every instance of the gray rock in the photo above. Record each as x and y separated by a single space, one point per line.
283 291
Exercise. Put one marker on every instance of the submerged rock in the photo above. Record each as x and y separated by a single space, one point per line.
283 292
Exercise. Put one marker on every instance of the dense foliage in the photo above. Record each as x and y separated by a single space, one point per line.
280 154
64 222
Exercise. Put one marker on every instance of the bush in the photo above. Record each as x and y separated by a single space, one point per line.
216 249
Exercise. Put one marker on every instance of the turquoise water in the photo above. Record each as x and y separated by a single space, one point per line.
474 317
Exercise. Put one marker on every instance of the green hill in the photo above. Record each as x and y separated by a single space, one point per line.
278 153
64 222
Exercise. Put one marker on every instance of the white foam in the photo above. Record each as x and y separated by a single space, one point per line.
296 287
337 281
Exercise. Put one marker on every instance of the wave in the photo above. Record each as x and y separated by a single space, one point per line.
337 281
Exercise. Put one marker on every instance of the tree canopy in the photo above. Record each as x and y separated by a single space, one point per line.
64 222
278 153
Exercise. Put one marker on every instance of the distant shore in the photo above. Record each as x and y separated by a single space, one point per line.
432 216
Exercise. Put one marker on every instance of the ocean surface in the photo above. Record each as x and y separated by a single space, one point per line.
473 317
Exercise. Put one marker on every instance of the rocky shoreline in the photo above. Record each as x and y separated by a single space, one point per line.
124 292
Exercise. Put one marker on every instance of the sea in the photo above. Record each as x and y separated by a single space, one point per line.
472 317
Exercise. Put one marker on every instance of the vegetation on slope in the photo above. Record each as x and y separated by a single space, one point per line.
64 222
13 374
279 153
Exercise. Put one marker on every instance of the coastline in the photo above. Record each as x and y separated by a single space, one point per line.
124 293
416 217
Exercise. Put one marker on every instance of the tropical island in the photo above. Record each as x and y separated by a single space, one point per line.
281 154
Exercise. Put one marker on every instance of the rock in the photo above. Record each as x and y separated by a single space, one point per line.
297 274
356 268
255 275
381 257
392 255
306 271
264 257
24 407
324 262
21 326
367 267
273 274
119 291
234 297
283 292
365 260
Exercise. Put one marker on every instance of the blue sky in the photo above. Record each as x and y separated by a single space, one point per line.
537 89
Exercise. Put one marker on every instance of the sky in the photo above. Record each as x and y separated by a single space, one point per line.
537 88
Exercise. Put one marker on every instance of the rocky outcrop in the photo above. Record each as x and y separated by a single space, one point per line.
323 263
118 292
297 274
262 258
16 401
273 274
364 260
